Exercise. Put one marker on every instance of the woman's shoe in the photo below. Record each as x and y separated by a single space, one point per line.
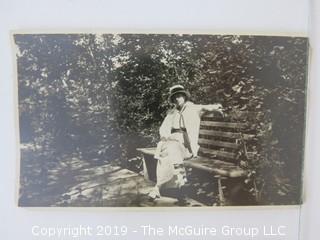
154 194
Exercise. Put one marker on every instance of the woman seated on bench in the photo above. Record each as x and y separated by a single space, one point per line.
179 133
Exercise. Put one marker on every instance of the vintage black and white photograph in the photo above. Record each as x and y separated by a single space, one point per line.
160 120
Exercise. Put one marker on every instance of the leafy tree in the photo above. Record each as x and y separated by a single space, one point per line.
103 95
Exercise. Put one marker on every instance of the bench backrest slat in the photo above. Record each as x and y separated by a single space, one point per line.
218 143
216 133
232 135
223 124
217 153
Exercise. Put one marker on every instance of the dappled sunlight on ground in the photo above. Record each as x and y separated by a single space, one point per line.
72 181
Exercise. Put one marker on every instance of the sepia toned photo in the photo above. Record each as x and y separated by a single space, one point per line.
160 120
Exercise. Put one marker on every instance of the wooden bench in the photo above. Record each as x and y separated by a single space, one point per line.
222 149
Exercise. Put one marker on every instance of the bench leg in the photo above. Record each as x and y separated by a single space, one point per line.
221 195
222 200
145 169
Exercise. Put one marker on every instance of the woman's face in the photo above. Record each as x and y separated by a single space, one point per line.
180 99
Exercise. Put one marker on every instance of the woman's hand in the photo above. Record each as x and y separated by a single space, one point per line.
163 139
217 106
220 109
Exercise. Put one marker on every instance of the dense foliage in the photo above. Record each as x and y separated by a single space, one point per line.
104 95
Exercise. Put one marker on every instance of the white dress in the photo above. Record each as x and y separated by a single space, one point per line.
171 152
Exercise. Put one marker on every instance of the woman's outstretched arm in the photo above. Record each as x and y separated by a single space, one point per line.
217 107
